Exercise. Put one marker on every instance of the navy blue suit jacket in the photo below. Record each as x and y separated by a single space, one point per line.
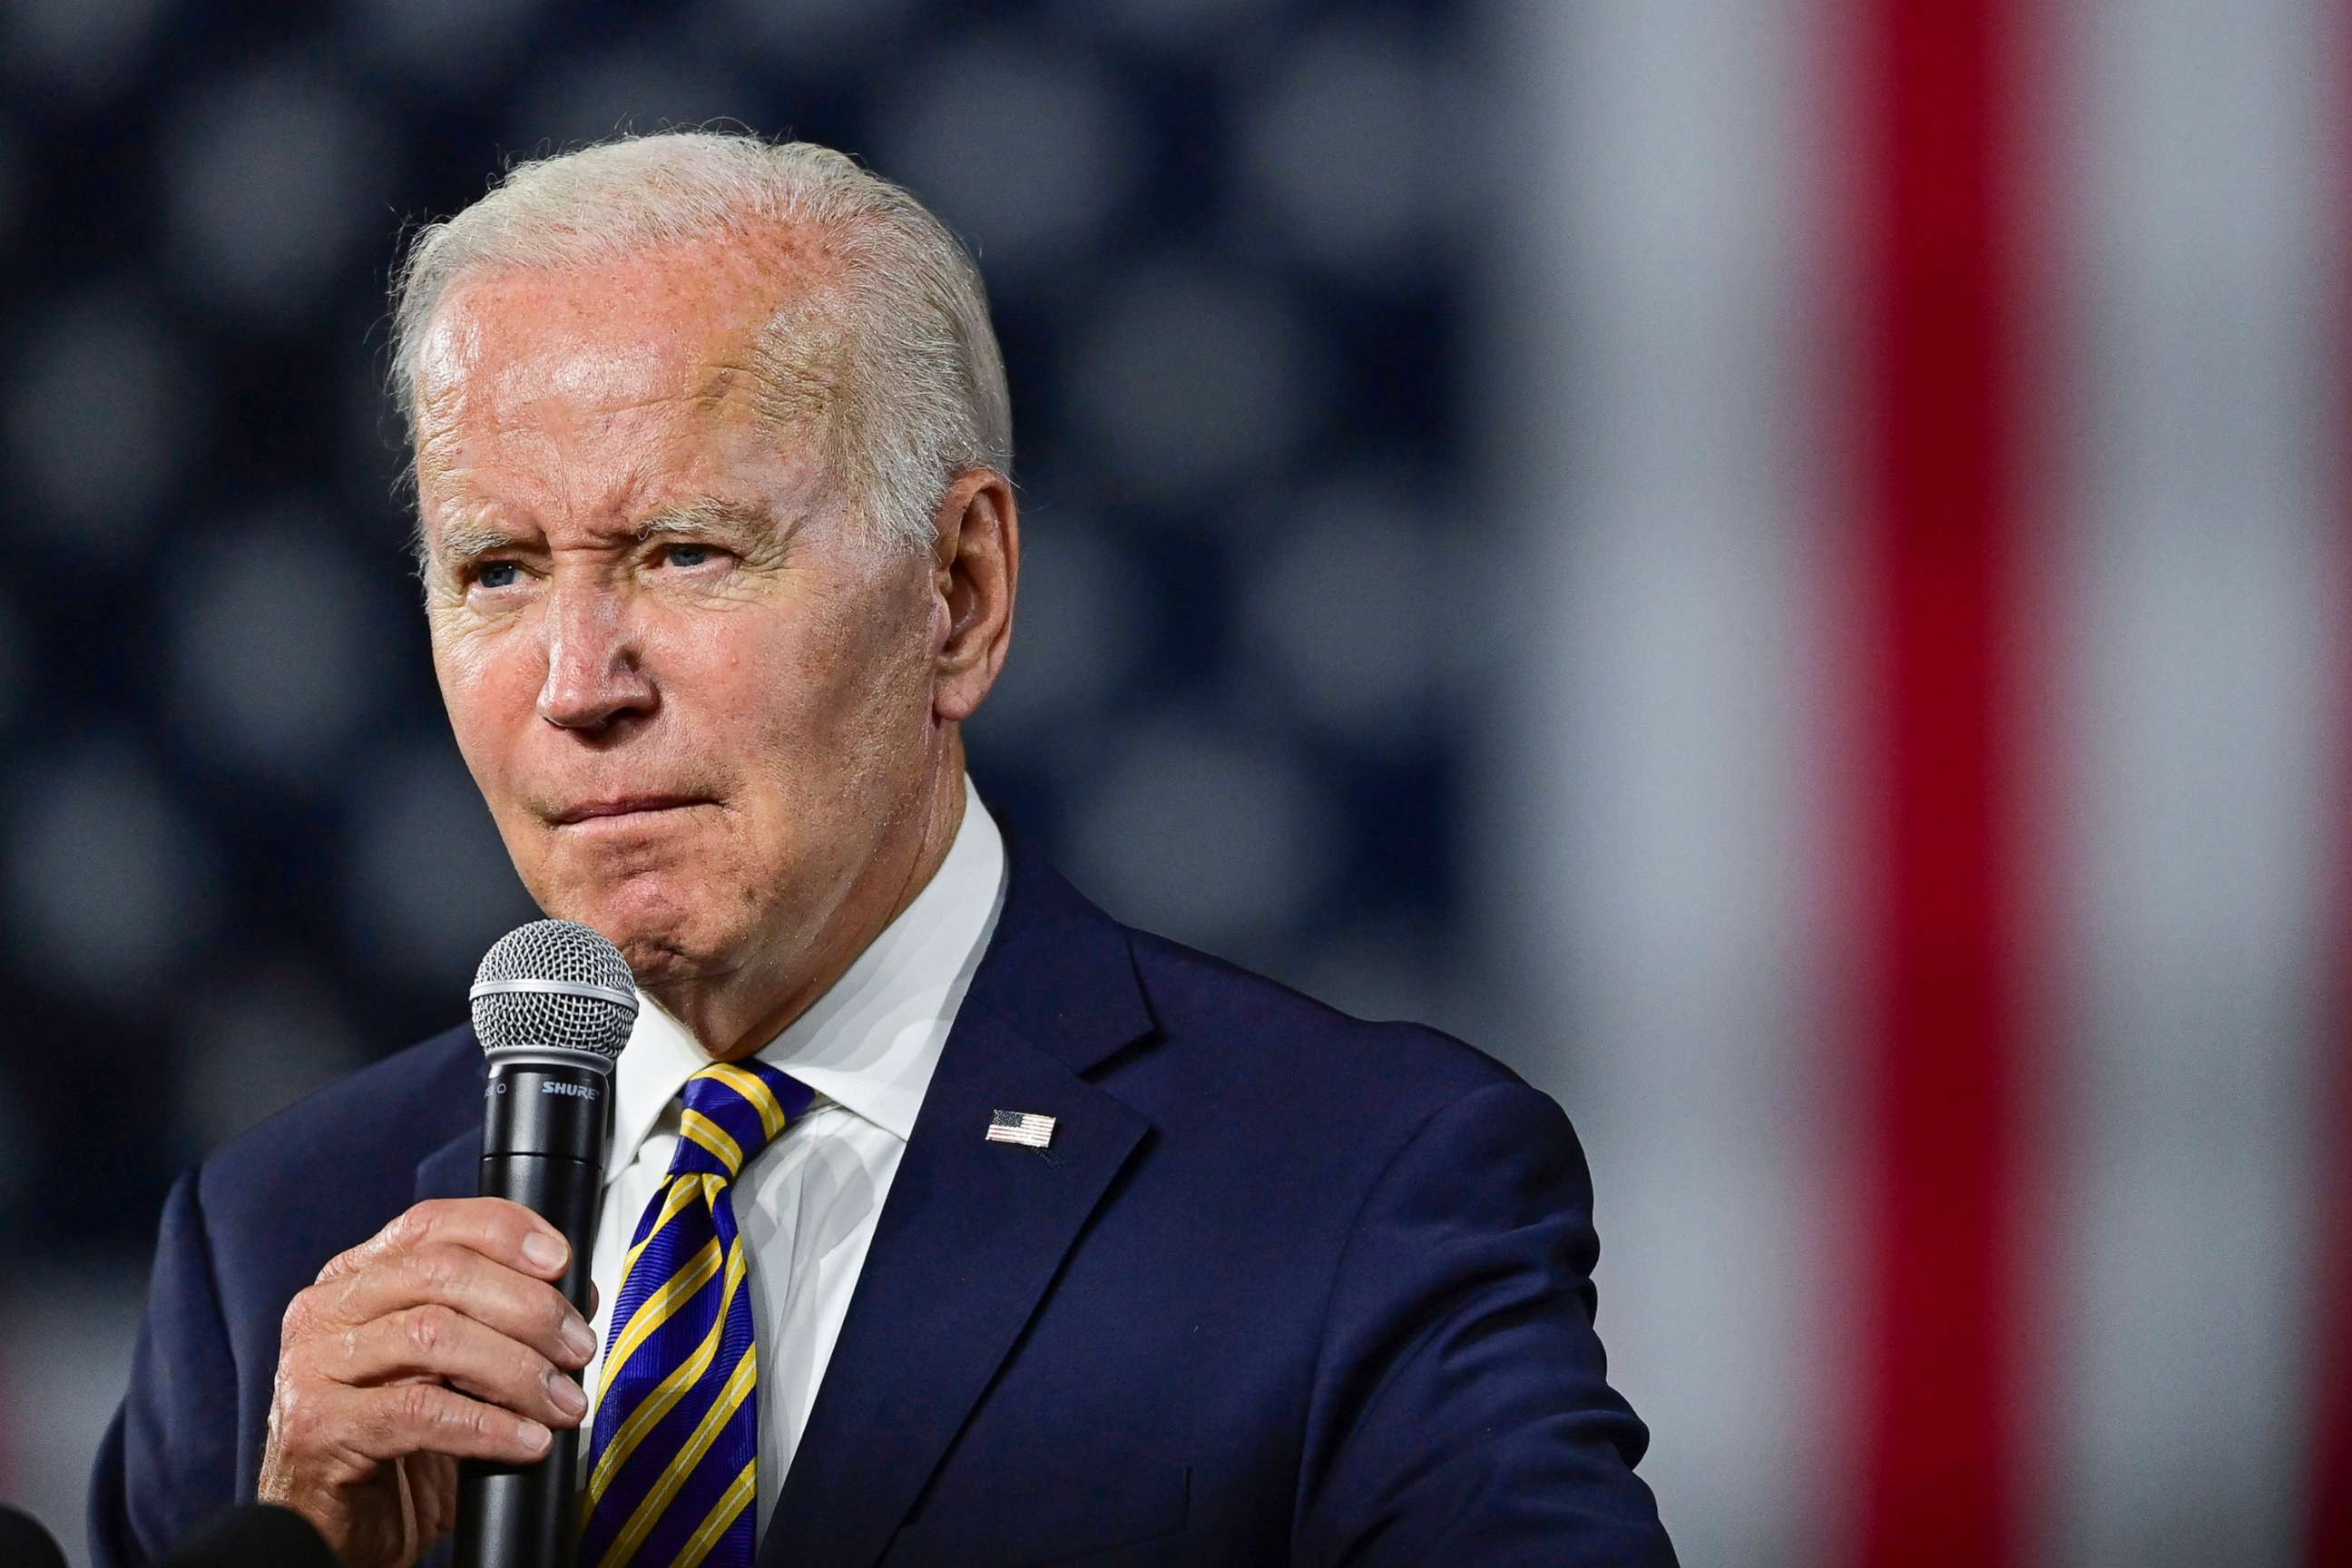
1286 1287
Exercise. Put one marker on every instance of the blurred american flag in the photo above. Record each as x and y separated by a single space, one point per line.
1924 812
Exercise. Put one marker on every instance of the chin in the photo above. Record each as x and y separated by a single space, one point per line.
662 925
659 963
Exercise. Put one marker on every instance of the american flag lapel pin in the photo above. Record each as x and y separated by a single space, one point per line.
1023 1127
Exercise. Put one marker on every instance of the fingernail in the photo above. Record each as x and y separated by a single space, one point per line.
565 1394
534 1436
542 1250
578 1338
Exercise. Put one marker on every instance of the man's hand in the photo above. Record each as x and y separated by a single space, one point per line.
439 1338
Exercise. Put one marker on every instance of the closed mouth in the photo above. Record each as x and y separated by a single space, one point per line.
626 806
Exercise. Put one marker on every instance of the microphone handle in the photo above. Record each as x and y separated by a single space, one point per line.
548 1126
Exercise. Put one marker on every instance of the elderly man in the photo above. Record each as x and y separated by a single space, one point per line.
712 442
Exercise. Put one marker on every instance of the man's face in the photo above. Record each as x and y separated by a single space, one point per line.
696 697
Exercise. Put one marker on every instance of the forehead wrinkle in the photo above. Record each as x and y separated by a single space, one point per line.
793 369
787 386
776 388
797 359
776 352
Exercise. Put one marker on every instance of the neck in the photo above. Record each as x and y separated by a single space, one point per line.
735 1016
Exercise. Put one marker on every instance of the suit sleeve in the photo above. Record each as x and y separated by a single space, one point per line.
168 1460
1461 1410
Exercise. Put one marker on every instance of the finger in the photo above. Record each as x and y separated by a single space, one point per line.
403 1418
498 1228
436 1341
516 1305
337 1436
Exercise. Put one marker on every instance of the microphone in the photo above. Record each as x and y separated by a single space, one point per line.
24 1543
552 1004
253 1535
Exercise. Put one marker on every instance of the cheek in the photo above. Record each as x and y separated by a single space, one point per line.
866 686
787 673
781 704
821 719
481 684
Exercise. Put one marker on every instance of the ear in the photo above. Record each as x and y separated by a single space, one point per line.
975 568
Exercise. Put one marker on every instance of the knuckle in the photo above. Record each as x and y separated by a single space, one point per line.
513 1222
417 1406
502 1229
338 1301
413 1227
428 1328
436 1270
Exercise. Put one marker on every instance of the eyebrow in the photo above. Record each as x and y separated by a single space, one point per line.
470 540
728 520
463 542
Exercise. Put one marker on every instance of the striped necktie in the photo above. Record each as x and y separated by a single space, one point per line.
674 1459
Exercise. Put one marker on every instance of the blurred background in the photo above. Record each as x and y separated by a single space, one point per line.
1777 565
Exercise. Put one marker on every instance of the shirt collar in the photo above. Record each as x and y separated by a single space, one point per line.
870 1043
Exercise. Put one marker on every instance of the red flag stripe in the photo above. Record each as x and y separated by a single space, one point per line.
1939 527
2329 1507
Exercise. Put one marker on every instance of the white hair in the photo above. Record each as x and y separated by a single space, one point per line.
920 397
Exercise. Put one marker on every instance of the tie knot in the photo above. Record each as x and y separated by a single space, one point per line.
734 1109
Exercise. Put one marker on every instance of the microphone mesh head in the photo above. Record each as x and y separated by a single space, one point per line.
575 961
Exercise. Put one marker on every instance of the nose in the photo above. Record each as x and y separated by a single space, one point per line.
595 676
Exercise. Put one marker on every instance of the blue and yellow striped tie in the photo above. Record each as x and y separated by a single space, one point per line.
674 1459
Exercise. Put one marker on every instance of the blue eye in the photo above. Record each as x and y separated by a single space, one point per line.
498 573
686 554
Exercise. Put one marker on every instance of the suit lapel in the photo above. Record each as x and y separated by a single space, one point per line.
972 1233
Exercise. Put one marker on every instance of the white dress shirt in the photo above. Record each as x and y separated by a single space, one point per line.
806 1206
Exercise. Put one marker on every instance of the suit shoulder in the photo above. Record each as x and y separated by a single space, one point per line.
1198 998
